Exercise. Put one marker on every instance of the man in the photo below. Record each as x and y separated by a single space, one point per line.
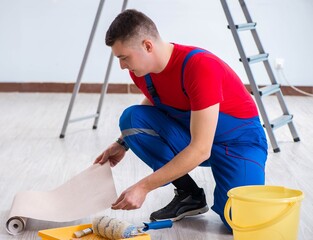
196 111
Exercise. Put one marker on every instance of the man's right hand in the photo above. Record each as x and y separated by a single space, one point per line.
114 154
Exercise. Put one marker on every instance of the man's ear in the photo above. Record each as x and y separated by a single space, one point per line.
147 45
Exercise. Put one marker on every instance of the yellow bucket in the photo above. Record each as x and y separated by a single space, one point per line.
263 212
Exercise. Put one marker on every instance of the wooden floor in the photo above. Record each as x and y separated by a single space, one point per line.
32 157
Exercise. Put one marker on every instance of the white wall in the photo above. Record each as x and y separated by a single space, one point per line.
44 40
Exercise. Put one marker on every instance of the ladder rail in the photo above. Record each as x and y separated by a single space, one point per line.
103 91
106 80
258 41
81 69
291 126
282 103
249 19
249 73
259 93
96 116
267 65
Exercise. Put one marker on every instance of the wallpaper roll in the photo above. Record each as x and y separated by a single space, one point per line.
87 193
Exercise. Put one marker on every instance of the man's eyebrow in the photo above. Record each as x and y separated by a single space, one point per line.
120 56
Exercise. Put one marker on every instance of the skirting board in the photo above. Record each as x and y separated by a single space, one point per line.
112 88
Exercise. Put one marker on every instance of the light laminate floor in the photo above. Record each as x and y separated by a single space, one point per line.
32 157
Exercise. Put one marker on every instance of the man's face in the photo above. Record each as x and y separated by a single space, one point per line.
132 57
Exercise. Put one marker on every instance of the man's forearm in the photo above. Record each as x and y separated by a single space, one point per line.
181 164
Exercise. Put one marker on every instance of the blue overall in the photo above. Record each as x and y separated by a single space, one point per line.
156 134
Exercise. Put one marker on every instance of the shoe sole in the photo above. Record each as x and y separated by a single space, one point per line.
186 214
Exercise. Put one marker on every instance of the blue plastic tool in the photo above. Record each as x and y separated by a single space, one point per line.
157 225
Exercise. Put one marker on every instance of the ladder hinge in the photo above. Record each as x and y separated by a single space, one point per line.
244 26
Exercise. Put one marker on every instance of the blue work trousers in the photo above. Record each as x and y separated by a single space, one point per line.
238 153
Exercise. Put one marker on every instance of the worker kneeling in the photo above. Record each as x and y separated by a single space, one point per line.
196 111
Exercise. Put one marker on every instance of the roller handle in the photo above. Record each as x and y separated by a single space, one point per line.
158 225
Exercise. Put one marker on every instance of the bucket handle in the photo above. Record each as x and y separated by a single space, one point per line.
284 213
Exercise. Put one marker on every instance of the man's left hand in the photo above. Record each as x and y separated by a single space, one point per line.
131 198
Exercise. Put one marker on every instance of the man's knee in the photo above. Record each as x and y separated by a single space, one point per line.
130 116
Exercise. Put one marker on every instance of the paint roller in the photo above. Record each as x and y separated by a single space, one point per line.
113 229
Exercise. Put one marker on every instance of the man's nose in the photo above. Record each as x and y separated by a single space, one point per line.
123 65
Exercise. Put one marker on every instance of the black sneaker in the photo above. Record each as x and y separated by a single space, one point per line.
184 204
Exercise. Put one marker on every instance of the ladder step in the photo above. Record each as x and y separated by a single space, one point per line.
281 121
258 90
257 58
244 26
268 90
84 118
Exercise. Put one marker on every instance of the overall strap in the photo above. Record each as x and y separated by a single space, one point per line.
189 55
151 89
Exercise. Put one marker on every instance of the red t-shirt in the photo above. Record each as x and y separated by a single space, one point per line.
207 81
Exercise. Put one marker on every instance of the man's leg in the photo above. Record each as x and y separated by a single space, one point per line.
187 184
156 138
233 165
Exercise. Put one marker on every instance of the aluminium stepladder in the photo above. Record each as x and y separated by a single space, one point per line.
260 92
96 116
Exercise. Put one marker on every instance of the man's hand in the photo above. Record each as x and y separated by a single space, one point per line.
114 154
131 198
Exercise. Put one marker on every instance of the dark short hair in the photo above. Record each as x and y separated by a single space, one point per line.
128 24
